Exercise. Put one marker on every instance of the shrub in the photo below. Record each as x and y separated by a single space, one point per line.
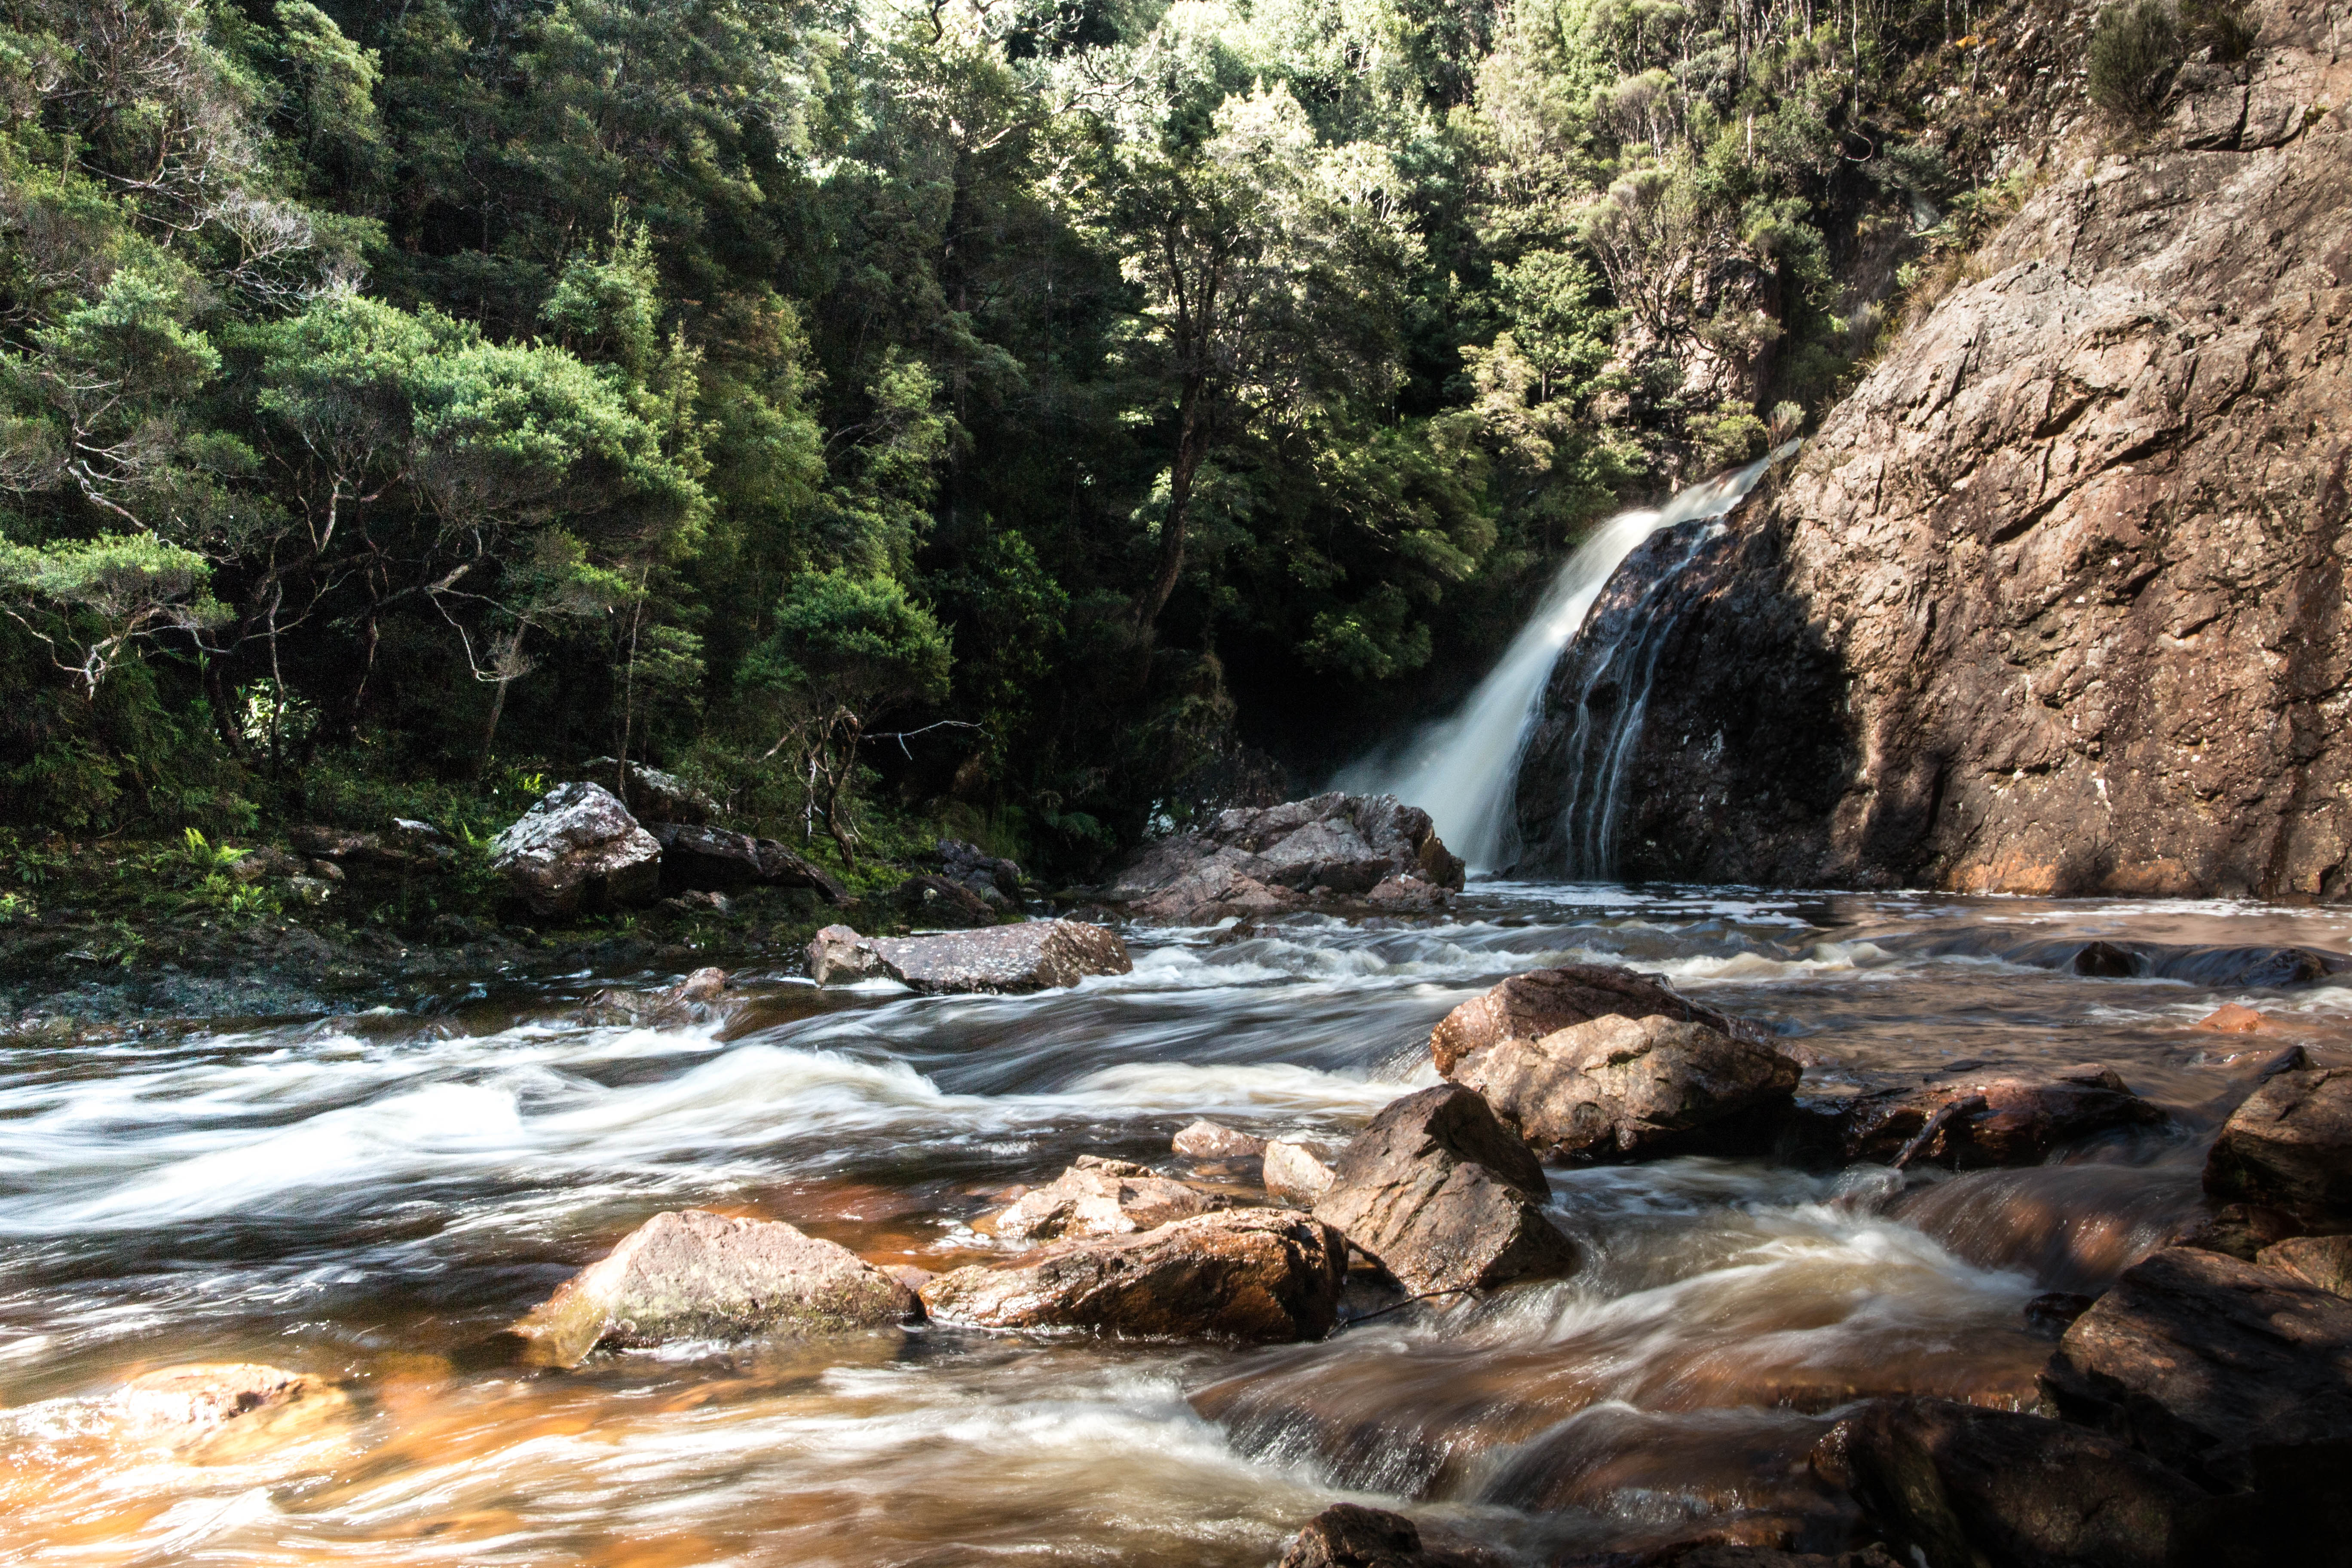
2135 45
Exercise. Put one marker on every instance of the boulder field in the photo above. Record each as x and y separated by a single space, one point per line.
1329 851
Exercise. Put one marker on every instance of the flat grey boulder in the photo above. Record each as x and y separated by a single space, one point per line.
1028 955
693 1275
578 851
2289 1147
1257 1275
1444 1196
1327 850
1544 1001
1099 1197
1618 1088
2236 1376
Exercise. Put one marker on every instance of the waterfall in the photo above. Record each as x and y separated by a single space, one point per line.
1463 769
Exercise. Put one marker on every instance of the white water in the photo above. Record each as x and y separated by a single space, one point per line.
1462 769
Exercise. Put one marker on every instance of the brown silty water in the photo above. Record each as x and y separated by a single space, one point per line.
371 1199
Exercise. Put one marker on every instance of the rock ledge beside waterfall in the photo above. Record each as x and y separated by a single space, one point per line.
1329 851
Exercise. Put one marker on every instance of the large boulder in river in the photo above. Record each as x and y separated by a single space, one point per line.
695 1276
1027 955
1618 1088
2289 1147
1099 1197
1257 1275
1974 1122
1955 1485
1256 861
578 851
1444 1197
2236 1376
1544 1001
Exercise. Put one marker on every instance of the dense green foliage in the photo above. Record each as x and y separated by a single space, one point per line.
1079 389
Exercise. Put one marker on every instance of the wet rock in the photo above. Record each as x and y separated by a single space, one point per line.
1972 1123
2238 1230
2322 1260
712 859
838 952
1953 1485
939 903
2015 622
578 851
694 1275
1213 1140
1545 1001
2051 1313
1302 854
1618 1088
705 984
653 796
2236 1376
1027 955
2231 1019
1348 1536
1099 1197
184 1406
1297 1173
1444 1197
1713 1550
2289 1147
1256 1275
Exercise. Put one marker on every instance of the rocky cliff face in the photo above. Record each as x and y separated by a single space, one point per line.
2055 601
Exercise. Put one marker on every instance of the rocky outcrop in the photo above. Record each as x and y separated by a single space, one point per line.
578 851
1972 1123
1444 1197
1330 849
1618 1088
1098 1197
2289 1148
1028 955
693 1276
2235 1375
995 880
1347 1535
2055 601
1544 1001
713 859
1260 1275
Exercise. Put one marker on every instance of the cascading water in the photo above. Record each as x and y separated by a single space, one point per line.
1462 769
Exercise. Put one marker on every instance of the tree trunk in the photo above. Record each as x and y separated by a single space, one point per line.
1191 447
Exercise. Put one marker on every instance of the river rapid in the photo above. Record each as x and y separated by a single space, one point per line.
371 1198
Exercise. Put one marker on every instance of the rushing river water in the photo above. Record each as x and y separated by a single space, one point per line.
371 1198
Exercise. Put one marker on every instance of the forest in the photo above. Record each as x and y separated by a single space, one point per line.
1050 416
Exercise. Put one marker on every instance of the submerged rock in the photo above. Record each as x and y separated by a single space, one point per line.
1348 1536
1028 955
694 1275
1214 1141
208 1402
2236 1376
1971 1122
1099 1197
2289 1147
1326 849
578 851
1545 1001
1257 1275
1952 1484
1618 1088
1441 1194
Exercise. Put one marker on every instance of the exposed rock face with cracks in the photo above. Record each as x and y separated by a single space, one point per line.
578 851
2055 601
1028 955
1099 1197
1543 1001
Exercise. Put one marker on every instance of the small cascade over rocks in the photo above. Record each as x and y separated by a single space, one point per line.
1463 767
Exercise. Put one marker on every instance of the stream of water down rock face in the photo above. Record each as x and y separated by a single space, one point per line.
371 1198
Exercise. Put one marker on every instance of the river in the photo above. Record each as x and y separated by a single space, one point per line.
371 1198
